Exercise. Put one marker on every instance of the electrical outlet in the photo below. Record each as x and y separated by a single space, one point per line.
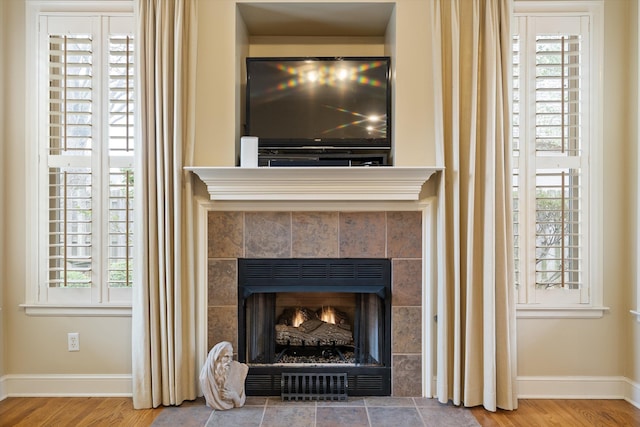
73 341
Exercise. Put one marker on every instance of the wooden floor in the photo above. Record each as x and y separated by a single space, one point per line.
563 413
95 411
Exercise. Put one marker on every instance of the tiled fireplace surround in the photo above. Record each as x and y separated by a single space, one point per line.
396 235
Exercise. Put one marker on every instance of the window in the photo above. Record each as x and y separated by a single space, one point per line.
85 147
556 146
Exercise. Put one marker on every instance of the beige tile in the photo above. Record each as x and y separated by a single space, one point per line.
256 401
394 416
332 416
268 234
406 330
223 326
279 416
224 234
407 374
387 401
362 235
404 234
222 282
246 416
448 416
314 234
407 282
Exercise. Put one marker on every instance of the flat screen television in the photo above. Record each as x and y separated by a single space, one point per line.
319 103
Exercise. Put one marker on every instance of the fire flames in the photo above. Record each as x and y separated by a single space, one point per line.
298 319
327 314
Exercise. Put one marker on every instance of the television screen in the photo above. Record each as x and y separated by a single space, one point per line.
319 102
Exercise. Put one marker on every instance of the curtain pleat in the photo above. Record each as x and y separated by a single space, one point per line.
476 308
163 325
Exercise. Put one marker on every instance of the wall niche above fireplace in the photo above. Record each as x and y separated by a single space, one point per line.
282 327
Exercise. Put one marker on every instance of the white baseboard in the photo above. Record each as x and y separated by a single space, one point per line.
632 393
579 388
58 385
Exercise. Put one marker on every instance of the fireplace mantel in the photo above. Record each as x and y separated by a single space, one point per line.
314 183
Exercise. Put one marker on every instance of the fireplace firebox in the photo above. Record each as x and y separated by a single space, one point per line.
320 315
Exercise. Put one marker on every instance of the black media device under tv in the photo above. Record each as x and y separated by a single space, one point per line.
319 103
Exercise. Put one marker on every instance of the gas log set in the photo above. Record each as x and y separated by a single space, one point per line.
304 335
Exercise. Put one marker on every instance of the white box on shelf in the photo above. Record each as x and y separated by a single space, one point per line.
249 152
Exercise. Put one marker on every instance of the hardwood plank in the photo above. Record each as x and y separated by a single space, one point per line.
73 411
560 412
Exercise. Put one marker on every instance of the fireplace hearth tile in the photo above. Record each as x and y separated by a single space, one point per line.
224 235
268 235
405 333
407 370
256 401
448 416
427 402
351 401
388 402
405 417
222 282
362 235
341 416
277 401
290 415
314 234
404 234
407 284
379 412
246 416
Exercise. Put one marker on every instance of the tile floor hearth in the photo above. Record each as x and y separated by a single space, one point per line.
356 412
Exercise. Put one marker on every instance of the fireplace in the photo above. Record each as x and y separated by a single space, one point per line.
234 234
315 316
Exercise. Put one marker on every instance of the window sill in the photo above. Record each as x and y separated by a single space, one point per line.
534 312
77 310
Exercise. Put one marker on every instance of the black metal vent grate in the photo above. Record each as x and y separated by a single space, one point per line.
316 269
262 383
314 386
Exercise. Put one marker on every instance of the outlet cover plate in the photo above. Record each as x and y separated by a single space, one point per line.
73 341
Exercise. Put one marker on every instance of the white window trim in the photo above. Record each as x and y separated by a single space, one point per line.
595 308
35 9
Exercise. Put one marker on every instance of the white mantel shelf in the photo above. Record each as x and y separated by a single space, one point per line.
314 183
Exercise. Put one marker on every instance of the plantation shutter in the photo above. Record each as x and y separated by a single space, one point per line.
121 134
551 148
69 160
89 159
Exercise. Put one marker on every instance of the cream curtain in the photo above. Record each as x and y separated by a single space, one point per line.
476 307
163 335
